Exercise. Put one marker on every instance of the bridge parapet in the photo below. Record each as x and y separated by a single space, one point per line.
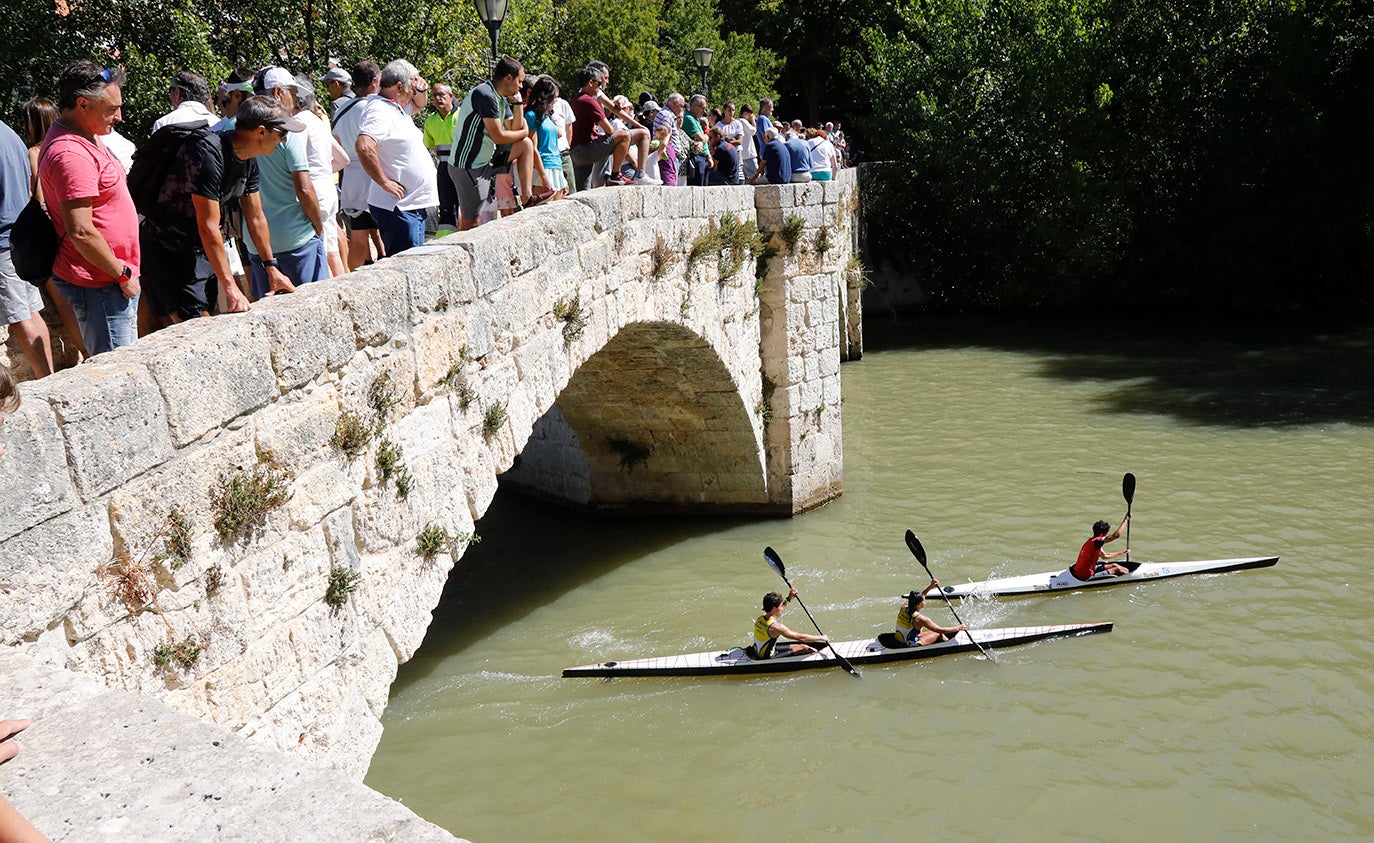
383 406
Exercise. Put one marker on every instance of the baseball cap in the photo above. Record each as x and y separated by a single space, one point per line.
264 111
338 74
274 77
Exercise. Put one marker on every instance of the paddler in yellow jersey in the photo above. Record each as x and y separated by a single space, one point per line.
768 629
916 629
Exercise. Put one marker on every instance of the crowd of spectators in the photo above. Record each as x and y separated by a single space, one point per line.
252 188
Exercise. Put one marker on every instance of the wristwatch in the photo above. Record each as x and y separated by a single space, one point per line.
127 274
270 262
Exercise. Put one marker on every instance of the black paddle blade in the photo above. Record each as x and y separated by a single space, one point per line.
774 561
1128 487
915 545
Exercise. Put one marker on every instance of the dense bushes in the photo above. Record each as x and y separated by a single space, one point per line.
1059 151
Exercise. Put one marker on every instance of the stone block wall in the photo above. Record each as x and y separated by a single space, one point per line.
450 356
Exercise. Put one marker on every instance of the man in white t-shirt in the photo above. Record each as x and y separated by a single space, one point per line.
353 181
320 155
393 153
190 96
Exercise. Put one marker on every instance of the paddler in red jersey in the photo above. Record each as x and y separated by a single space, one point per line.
1091 556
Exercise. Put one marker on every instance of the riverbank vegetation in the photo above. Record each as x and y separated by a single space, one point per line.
1061 152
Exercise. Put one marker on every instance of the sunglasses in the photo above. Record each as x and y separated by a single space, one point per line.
108 75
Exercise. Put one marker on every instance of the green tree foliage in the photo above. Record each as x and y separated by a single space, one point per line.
1051 151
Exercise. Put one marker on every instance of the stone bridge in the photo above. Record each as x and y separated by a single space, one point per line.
628 349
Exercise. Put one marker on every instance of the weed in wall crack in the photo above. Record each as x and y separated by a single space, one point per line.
791 232
381 396
495 417
352 434
661 257
183 653
571 315
822 242
342 582
241 501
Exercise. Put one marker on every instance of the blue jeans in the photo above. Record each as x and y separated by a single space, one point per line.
107 319
301 265
400 229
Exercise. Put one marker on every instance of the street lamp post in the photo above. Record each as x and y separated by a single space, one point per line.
703 57
492 13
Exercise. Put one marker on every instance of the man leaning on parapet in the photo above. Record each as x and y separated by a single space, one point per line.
185 259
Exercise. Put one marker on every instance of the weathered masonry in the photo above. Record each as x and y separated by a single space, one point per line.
617 351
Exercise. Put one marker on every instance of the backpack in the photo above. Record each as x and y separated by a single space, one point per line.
153 162
33 243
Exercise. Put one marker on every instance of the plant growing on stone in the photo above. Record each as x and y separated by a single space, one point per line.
381 396
661 257
705 244
764 410
176 550
766 252
352 434
495 417
791 232
822 243
342 582
242 500
631 453
570 314
431 541
391 466
214 579
856 275
183 653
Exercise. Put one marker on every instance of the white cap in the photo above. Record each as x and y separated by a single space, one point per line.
274 77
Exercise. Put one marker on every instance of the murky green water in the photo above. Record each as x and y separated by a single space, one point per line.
1232 706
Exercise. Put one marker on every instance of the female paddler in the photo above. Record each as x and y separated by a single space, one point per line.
768 629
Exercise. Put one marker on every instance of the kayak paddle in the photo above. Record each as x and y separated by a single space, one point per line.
914 544
1128 492
775 562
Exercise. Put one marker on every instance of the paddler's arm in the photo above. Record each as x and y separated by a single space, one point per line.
1116 534
934 584
797 636
1119 553
922 620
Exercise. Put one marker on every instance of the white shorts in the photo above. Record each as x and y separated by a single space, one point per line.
329 209
18 298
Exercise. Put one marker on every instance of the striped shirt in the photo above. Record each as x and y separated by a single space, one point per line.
472 146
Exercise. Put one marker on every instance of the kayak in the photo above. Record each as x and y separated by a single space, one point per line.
863 651
1064 581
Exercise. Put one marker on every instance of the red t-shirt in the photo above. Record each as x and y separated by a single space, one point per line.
1087 558
71 167
588 114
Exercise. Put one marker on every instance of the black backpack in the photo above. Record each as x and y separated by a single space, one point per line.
153 162
33 243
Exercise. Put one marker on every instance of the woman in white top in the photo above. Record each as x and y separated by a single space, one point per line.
322 152
823 164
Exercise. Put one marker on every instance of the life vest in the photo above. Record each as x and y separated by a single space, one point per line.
764 641
906 623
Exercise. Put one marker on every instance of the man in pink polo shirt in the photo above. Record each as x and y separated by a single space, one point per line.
97 265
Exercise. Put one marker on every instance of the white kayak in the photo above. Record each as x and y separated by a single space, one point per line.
863 651
1064 581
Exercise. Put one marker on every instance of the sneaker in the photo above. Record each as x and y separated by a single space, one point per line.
647 179
617 180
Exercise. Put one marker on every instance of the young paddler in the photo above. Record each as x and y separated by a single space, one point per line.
1091 557
768 629
916 629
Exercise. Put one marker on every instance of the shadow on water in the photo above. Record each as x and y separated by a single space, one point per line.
1233 371
497 583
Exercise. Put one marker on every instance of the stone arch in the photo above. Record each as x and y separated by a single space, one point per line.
654 419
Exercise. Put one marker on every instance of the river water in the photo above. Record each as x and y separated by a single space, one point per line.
1233 706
